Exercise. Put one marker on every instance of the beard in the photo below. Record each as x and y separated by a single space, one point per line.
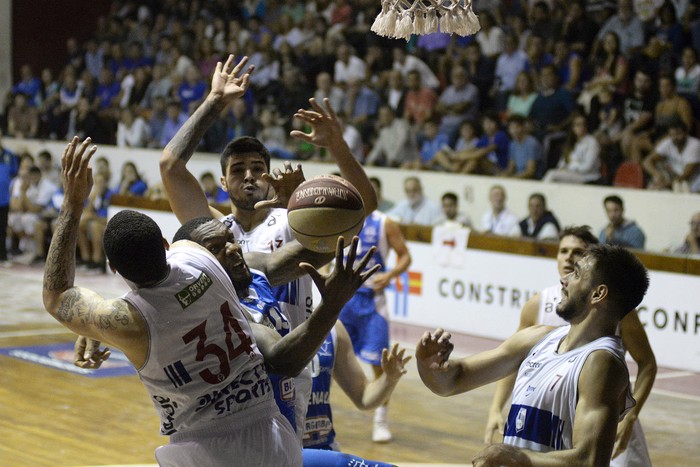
247 203
569 308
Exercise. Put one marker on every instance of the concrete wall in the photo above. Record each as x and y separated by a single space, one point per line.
664 216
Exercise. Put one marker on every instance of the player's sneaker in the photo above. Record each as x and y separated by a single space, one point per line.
380 432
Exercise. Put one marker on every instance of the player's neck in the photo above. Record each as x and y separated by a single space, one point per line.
586 331
248 220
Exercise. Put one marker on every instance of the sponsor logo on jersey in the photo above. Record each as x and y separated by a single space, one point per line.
177 374
286 392
194 291
520 419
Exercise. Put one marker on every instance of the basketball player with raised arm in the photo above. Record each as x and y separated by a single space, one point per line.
184 330
245 166
630 445
572 384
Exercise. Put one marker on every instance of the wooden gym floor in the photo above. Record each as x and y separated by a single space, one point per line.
50 417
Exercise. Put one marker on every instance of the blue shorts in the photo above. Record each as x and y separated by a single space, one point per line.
369 331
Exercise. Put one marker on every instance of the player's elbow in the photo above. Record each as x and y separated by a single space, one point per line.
168 161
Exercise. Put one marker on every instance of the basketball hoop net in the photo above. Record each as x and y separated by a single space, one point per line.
402 18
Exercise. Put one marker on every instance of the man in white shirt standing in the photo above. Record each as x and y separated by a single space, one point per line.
499 220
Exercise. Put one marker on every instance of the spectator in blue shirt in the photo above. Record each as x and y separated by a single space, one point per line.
131 182
192 89
9 165
620 231
93 222
175 118
30 86
491 154
107 90
525 153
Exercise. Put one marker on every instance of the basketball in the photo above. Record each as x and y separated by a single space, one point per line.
324 208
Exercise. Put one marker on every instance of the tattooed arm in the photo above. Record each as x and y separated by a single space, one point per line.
81 310
187 199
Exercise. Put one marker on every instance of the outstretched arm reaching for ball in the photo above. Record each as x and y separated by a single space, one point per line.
327 132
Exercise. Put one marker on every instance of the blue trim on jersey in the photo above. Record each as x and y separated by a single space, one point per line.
327 458
537 425
369 237
319 432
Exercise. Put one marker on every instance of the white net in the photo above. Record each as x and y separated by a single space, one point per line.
402 18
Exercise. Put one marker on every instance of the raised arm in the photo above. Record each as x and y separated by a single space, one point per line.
351 378
186 196
282 265
447 377
326 132
81 310
635 340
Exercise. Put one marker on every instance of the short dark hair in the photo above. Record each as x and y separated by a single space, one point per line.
582 232
677 124
622 272
243 145
449 195
133 244
614 199
186 229
517 119
539 196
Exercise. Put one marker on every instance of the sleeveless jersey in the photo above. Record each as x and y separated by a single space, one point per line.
296 297
264 309
203 364
549 299
545 395
318 431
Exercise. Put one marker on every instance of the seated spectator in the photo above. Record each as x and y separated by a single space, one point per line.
675 162
30 195
45 226
580 162
523 96
508 65
9 165
491 153
458 101
450 209
159 86
192 90
240 121
132 130
131 182
638 113
499 220
619 230
608 118
688 75
396 144
480 70
393 93
383 204
85 122
610 71
212 190
670 107
579 29
22 119
272 134
92 225
420 100
107 91
525 153
49 171
569 66
156 192
29 85
351 135
175 118
537 58
540 223
627 25
348 67
405 62
552 111
102 167
416 208
451 159
326 89
360 107
691 244
490 37
431 141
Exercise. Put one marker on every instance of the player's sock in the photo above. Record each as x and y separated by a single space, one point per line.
380 431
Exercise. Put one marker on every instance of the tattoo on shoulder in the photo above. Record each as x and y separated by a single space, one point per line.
66 309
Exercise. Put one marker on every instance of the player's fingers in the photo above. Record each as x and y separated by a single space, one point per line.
329 108
277 172
238 66
287 167
365 259
367 274
301 135
315 275
219 67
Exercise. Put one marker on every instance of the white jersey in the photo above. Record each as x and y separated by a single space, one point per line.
545 395
637 453
203 364
549 299
295 298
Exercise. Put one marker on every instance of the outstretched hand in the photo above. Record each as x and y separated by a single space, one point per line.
76 172
337 287
325 126
434 350
284 184
228 82
87 353
394 362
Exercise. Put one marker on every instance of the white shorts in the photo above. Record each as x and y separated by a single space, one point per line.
636 454
259 436
23 222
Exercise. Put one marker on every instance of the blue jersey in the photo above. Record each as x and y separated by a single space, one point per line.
373 235
9 165
264 308
318 431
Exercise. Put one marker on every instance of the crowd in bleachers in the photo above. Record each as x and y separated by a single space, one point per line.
565 91
577 92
